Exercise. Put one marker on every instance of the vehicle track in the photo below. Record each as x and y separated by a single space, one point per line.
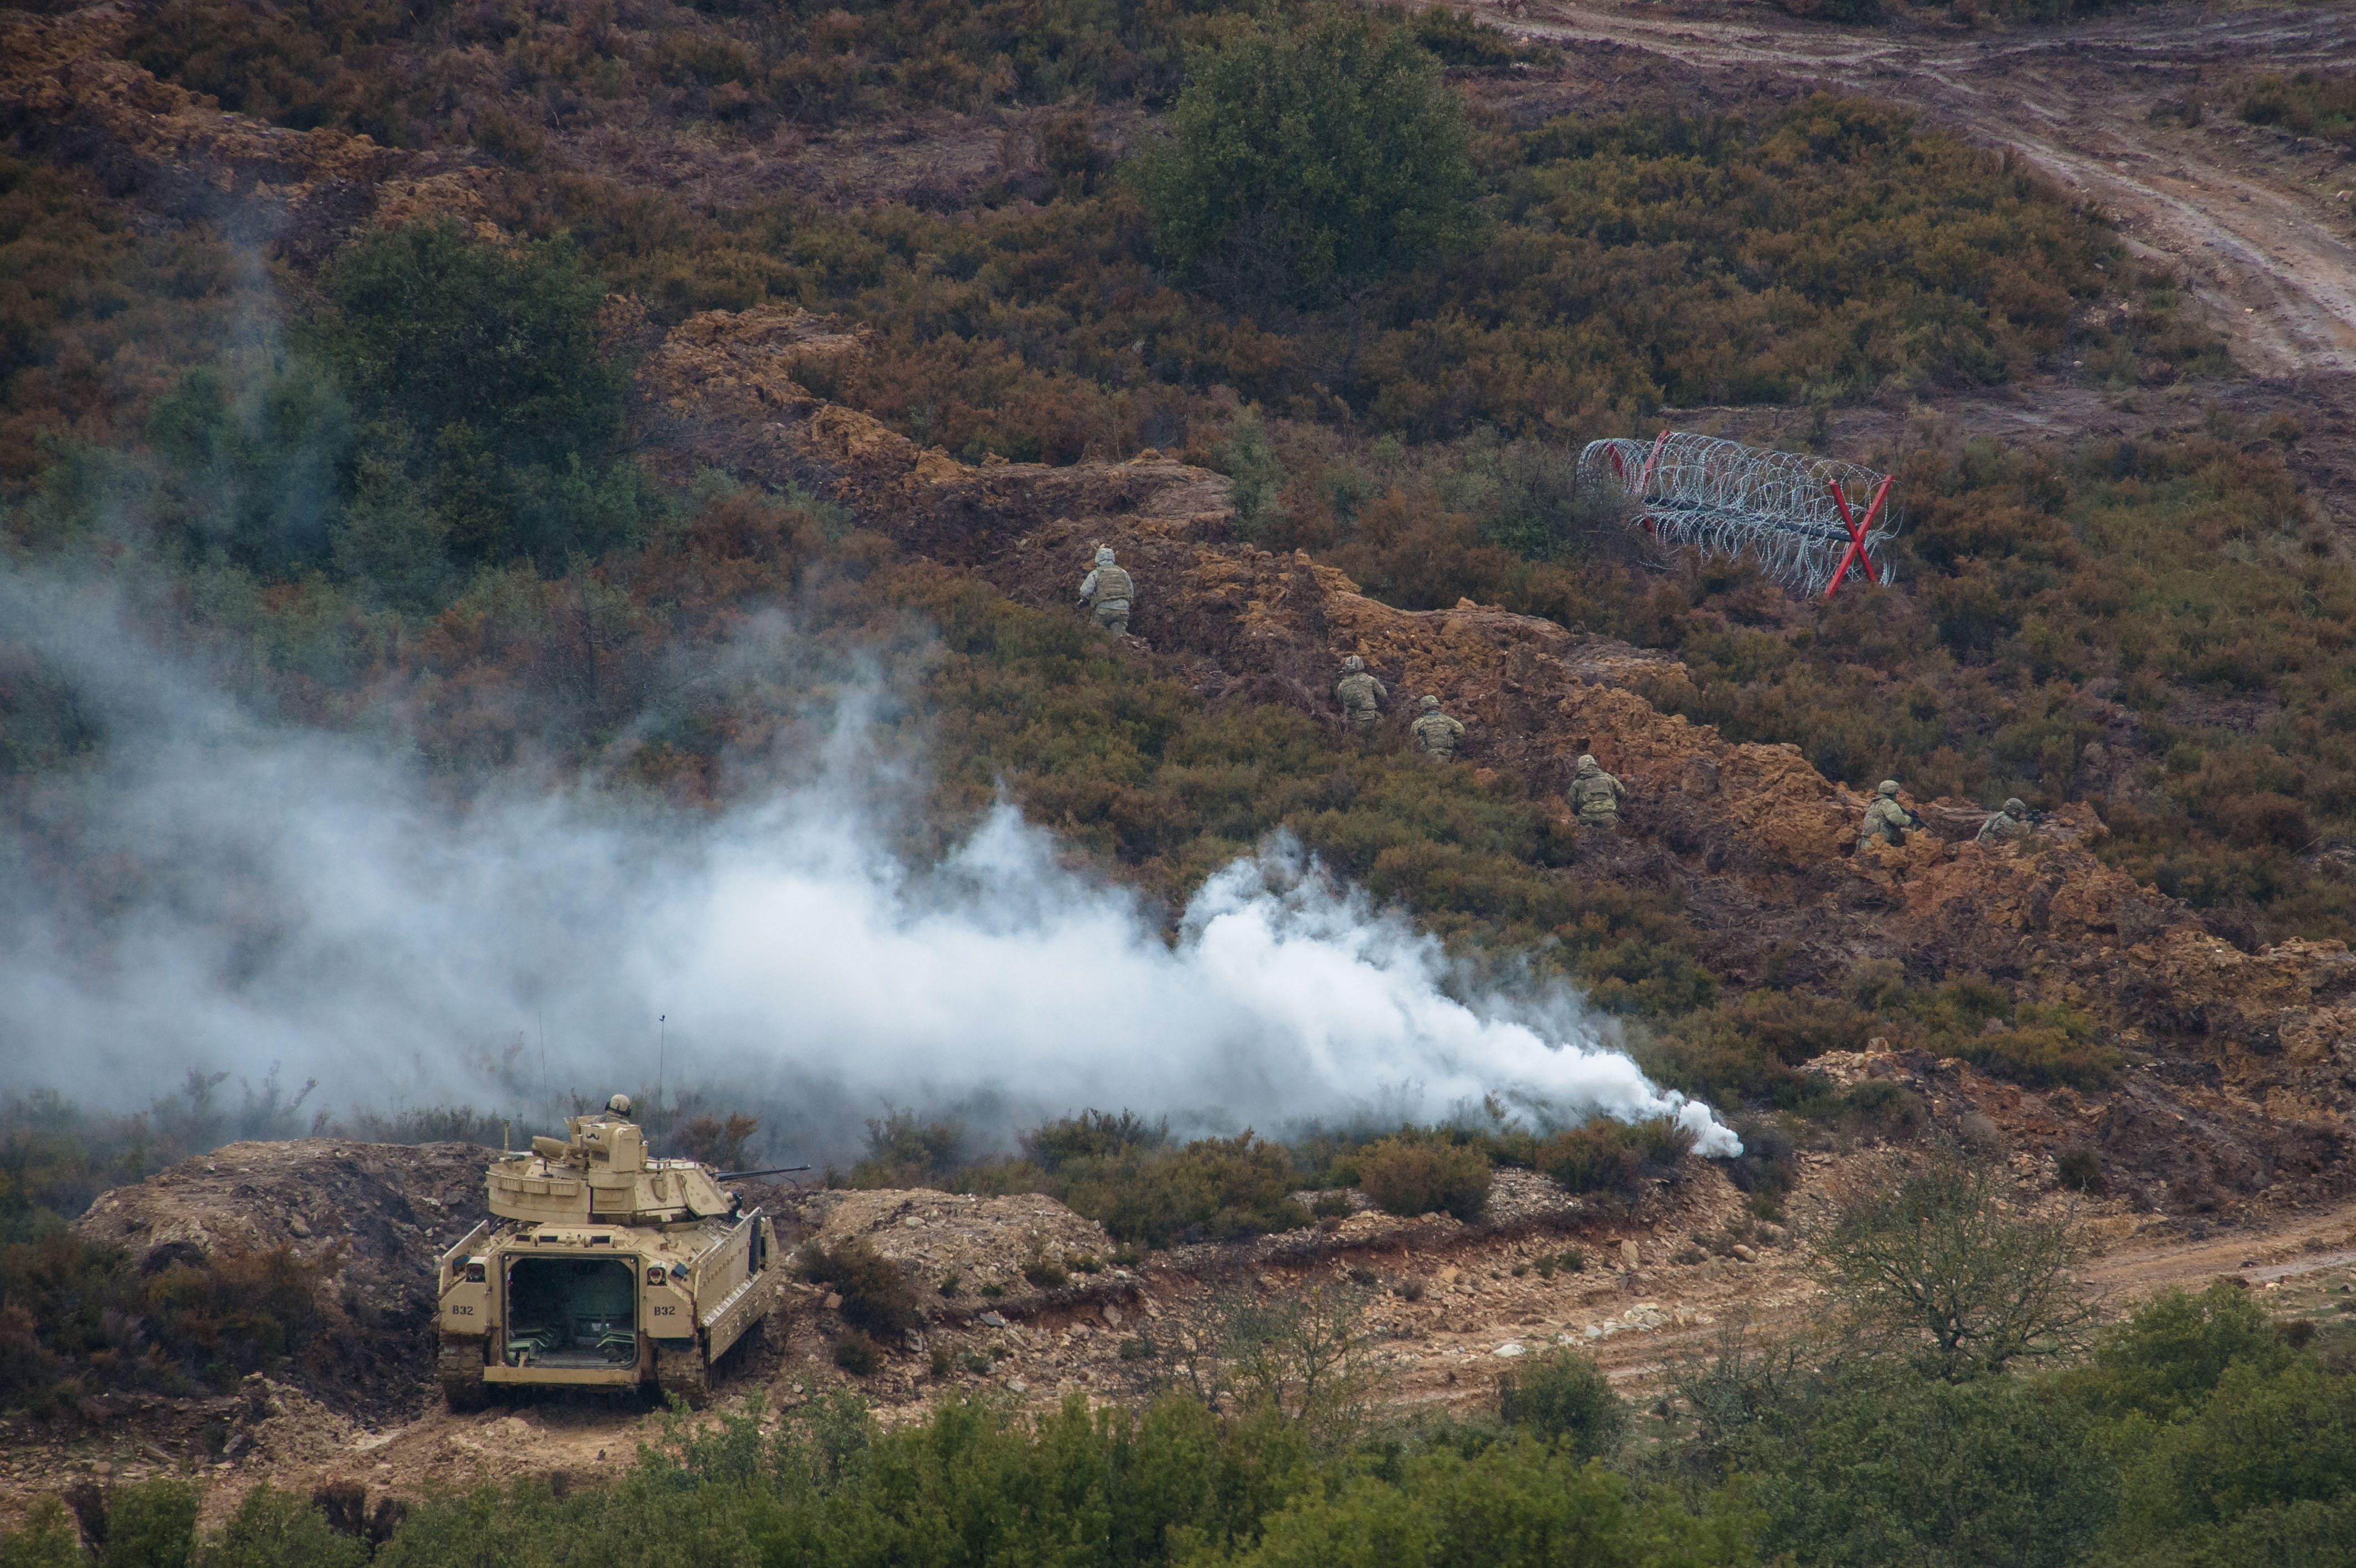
2251 216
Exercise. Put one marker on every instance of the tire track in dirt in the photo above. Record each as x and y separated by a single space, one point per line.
2248 215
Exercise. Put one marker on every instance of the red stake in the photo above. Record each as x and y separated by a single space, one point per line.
1644 485
1856 532
1650 458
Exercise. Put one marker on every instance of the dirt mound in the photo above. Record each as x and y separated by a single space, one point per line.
2244 1052
65 97
1009 1255
374 1215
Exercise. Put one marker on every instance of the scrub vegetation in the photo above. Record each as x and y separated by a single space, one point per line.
402 488
2192 1431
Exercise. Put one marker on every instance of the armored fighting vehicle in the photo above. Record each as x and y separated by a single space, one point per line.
601 1267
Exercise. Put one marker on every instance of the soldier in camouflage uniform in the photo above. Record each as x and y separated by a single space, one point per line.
1436 732
1595 796
1885 818
2012 822
1109 589
1361 694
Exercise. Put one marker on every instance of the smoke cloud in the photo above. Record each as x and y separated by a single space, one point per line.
225 892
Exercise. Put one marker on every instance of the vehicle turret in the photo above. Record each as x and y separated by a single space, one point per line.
602 1266
602 1173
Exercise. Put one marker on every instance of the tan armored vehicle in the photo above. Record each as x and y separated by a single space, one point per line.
603 1267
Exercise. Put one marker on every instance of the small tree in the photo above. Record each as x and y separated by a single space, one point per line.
1311 161
1563 1397
1942 1267
1302 1358
446 329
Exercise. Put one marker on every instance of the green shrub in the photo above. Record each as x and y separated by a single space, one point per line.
271 1529
2079 1169
856 1353
903 1151
1605 1156
2306 103
2165 1358
1309 160
1563 1397
1887 1110
1408 1175
150 1524
1892 1470
2269 1437
1458 38
877 1294
1091 1134
206 1320
450 331
1210 1189
478 366
255 463
2049 1046
46 1538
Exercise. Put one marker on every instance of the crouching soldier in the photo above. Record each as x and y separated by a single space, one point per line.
2010 823
1885 821
1435 732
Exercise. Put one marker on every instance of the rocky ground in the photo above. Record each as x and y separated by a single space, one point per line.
1440 1308
2225 1143
2246 1062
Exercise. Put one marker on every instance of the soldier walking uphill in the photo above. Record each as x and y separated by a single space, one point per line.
1595 796
1109 590
1435 732
1885 819
1361 694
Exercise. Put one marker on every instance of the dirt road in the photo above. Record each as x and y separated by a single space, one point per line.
2256 218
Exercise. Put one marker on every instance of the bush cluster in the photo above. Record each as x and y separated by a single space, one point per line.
1629 262
78 1319
877 1296
504 74
1562 1397
1308 161
2193 1434
2306 103
1611 1157
1405 1174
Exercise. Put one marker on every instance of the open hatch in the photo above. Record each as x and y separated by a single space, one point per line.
571 1312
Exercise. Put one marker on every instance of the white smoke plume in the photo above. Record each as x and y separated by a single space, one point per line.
227 892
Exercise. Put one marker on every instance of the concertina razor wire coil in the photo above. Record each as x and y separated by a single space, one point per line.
1811 523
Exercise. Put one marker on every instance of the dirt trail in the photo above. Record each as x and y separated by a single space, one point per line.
2249 213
